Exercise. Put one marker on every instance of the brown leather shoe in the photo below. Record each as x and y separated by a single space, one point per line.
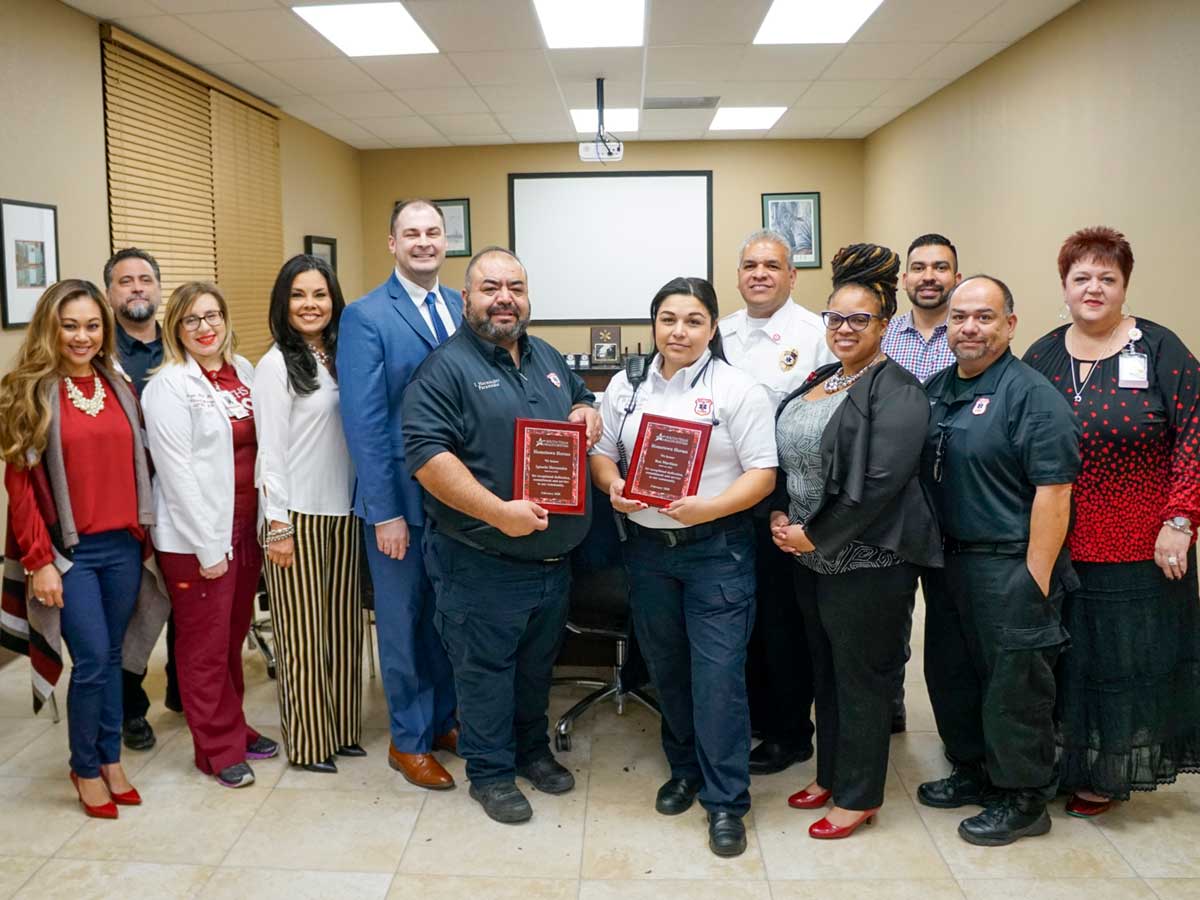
447 741
421 769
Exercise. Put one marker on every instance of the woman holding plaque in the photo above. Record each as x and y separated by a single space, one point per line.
859 526
702 455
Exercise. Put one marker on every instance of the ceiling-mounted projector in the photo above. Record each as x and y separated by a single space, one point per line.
603 147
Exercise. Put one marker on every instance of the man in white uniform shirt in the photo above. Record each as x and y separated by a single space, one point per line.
778 342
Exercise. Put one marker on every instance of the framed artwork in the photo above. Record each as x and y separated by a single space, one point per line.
322 247
606 345
458 226
798 218
28 258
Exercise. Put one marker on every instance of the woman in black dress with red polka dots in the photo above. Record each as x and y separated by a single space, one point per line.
1129 688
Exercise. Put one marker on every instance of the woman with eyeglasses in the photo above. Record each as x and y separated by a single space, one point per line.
851 510
691 564
200 424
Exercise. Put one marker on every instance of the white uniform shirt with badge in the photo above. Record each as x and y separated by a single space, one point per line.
709 391
779 352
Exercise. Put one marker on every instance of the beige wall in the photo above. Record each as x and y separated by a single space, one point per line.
742 171
1092 119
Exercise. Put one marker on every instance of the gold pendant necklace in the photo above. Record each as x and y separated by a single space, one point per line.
88 405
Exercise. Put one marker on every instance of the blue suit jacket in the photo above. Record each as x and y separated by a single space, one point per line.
382 338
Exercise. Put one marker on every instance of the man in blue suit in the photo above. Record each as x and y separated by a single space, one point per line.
382 339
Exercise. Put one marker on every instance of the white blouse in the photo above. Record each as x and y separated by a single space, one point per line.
303 463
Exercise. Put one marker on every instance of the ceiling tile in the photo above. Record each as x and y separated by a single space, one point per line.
481 140
510 99
417 143
492 24
368 105
692 63
705 21
1015 19
582 94
676 120
504 67
250 77
421 72
795 62
181 39
308 109
865 121
921 20
353 134
200 6
544 137
908 93
809 122
618 63
685 88
881 61
956 60
444 101
264 34
839 94
402 128
537 122
372 143
733 135
106 10
688 134
324 76
762 93
466 125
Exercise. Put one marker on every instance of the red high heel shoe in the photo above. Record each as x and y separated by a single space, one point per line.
127 798
102 811
1085 809
804 800
825 830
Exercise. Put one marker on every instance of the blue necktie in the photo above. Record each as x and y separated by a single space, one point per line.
439 330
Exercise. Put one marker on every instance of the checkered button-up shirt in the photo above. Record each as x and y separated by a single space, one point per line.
922 358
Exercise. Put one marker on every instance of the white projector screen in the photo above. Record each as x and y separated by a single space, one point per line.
599 246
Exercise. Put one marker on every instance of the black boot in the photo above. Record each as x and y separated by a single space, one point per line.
966 785
676 796
726 834
1016 815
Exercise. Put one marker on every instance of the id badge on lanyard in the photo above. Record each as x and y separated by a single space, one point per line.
1133 368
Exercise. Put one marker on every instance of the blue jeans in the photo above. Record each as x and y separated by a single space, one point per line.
693 609
99 593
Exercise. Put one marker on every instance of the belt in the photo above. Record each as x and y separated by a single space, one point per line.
674 537
458 538
1000 548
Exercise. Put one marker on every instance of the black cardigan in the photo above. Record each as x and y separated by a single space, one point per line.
870 457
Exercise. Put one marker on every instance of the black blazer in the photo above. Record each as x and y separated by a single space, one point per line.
870 456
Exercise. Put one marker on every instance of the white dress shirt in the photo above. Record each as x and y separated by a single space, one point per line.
779 352
706 391
303 463
418 295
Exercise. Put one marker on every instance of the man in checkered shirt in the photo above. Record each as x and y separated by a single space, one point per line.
917 339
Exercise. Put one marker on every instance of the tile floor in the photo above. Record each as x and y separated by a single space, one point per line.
366 833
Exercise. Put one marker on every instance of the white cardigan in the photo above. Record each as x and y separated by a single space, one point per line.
191 444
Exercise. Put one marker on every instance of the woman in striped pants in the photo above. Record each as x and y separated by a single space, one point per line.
313 542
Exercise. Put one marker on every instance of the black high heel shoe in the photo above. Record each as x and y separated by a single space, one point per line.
325 767
351 750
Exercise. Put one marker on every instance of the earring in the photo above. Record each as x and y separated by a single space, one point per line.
1065 312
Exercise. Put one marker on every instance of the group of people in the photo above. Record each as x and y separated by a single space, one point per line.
1046 506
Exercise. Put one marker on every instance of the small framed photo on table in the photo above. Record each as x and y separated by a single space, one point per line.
323 248
458 226
28 258
606 345
798 218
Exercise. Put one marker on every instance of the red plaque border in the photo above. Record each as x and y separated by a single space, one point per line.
519 460
704 429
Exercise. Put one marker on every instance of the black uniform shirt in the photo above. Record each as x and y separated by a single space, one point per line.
138 358
992 440
465 399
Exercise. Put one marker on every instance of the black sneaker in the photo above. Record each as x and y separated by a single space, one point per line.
137 734
726 834
238 775
967 785
676 796
548 775
1016 815
262 748
503 802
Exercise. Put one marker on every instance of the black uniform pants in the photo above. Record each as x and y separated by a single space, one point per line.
779 675
134 702
991 644
855 628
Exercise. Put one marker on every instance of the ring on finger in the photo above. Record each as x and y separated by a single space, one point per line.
1172 560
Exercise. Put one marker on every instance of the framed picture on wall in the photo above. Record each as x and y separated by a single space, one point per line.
606 345
28 257
458 226
798 218
323 247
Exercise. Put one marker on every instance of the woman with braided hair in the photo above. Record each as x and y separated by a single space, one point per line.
850 508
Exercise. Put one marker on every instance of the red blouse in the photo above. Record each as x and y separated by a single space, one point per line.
236 397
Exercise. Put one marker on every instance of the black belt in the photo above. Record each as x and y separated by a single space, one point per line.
674 537
1000 548
458 538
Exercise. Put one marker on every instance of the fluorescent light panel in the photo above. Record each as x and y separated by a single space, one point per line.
746 118
814 21
619 119
368 29
610 23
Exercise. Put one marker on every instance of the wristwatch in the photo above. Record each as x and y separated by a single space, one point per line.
1179 523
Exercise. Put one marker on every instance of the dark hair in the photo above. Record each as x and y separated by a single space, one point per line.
129 253
1009 306
300 362
400 205
703 291
933 239
873 268
1103 244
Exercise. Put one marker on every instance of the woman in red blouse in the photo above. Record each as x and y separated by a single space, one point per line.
79 495
1129 688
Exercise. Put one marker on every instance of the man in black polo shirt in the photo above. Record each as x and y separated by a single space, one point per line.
499 566
134 287
1000 459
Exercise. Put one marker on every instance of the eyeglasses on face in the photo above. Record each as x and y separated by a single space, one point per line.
213 317
856 321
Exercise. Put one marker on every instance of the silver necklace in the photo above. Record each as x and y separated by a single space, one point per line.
321 355
839 379
1079 388
88 405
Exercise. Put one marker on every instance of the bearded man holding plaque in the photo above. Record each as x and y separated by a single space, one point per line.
685 454
496 430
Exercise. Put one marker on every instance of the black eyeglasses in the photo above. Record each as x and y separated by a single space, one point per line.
856 321
213 317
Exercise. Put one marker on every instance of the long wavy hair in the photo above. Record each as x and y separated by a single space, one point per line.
302 364
183 298
24 414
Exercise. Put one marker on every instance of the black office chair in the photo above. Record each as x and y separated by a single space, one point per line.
600 612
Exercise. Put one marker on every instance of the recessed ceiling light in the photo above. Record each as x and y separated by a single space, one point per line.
746 118
612 23
368 29
614 120
814 21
